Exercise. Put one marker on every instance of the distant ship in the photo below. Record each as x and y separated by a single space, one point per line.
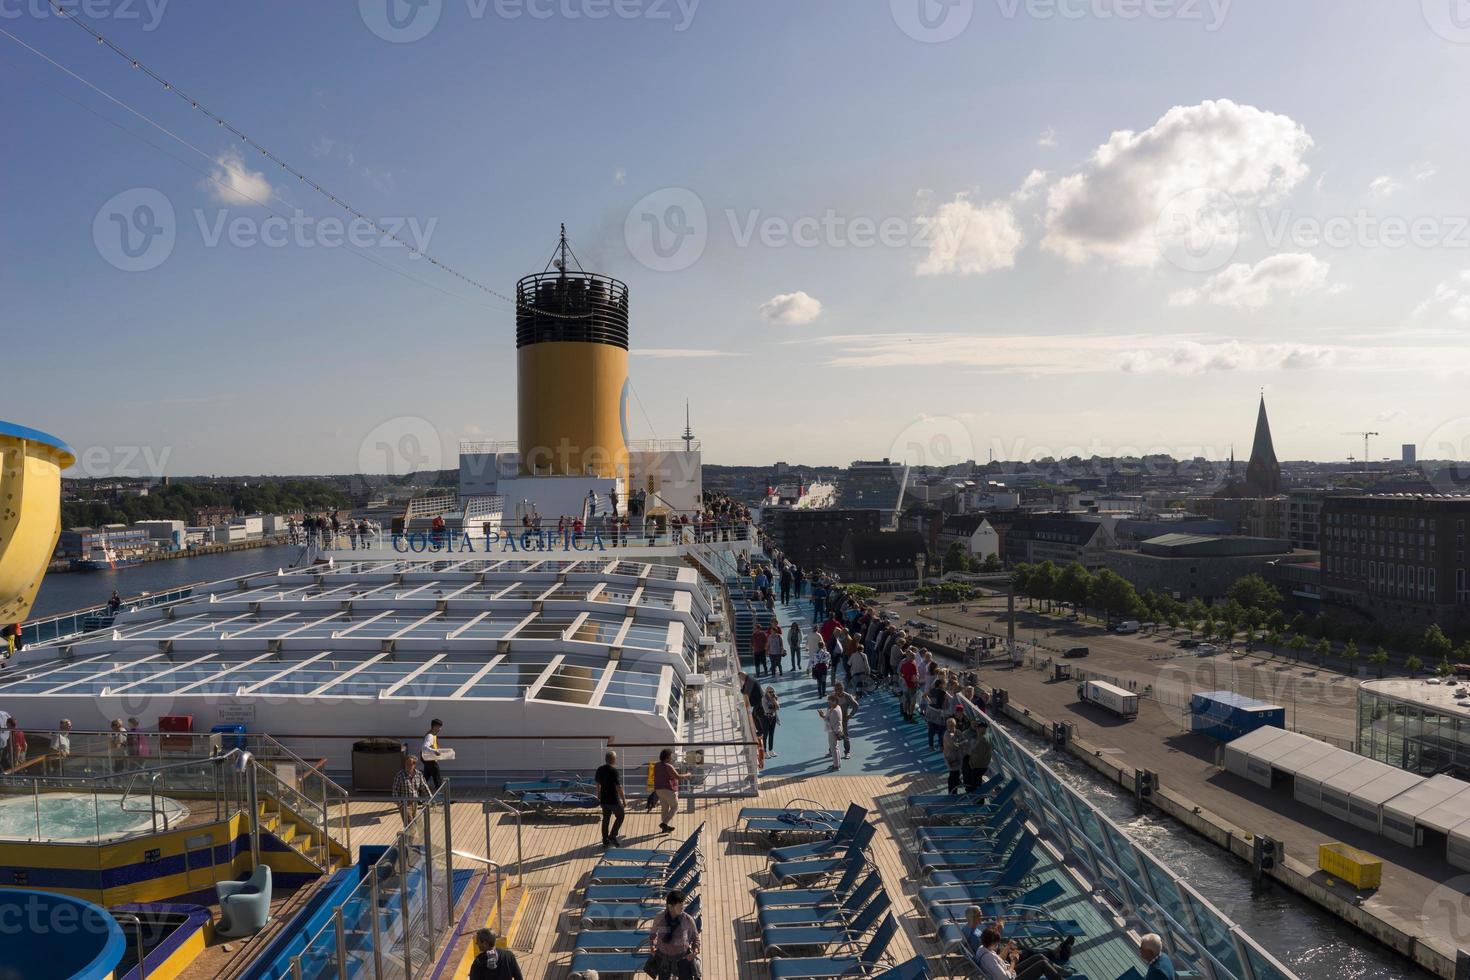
102 559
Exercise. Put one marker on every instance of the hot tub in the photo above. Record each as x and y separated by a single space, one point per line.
51 935
77 818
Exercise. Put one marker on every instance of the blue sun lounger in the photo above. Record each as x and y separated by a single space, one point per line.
629 915
931 861
609 874
979 839
609 964
771 898
852 821
552 803
555 781
795 872
778 938
824 967
627 939
971 811
1037 897
914 969
812 807
628 891
990 786
662 854
949 886
815 915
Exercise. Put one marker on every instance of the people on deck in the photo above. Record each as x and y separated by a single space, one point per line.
674 937
758 641
611 798
1000 959
409 788
429 755
833 722
1151 951
666 777
775 649
491 962
771 705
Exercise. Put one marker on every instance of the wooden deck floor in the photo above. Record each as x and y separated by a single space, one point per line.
560 853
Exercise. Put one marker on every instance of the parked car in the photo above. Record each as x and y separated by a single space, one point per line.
1073 653
900 598
1206 649
1071 617
1188 643
915 624
1127 626
890 616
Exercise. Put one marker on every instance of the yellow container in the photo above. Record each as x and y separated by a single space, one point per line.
30 513
1358 868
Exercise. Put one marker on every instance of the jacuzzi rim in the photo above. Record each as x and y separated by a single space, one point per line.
17 431
94 839
104 964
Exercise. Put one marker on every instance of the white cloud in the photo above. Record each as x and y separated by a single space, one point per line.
681 353
1104 354
791 309
1034 181
1252 287
1193 357
620 177
1451 299
1383 185
969 240
1113 207
232 182
1048 138
1420 172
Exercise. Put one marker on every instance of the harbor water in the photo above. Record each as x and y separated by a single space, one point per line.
1313 943
66 591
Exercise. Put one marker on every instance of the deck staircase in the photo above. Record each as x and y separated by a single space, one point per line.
302 836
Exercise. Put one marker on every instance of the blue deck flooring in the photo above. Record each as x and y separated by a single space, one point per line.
882 742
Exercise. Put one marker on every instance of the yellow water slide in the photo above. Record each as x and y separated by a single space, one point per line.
30 513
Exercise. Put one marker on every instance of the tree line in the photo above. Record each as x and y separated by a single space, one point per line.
1253 609
178 500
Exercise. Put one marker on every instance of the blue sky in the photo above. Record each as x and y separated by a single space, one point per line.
1103 232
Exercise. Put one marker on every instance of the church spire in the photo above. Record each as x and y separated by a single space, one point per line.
1263 472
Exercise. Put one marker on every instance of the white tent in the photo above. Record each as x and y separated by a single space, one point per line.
1251 755
1401 814
1365 801
1310 777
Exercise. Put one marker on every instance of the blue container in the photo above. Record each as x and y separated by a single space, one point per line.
1226 715
233 736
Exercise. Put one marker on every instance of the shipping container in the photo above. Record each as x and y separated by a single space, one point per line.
1225 715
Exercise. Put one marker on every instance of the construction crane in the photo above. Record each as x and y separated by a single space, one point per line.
1365 436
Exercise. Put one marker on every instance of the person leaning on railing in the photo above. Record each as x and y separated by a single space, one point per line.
409 788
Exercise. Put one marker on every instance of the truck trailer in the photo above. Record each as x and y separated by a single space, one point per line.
1120 702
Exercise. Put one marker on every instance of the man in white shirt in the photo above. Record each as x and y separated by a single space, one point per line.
833 719
429 755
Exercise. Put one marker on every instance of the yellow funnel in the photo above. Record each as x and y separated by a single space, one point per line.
30 513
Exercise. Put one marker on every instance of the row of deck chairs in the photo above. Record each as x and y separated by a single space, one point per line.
828 899
559 794
976 850
625 891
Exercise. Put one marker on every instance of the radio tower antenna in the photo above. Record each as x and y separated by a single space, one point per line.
688 430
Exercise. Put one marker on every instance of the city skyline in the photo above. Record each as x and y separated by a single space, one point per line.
994 243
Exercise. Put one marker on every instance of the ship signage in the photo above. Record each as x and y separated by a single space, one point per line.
431 542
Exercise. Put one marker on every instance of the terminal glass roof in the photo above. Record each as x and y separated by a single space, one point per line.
611 634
